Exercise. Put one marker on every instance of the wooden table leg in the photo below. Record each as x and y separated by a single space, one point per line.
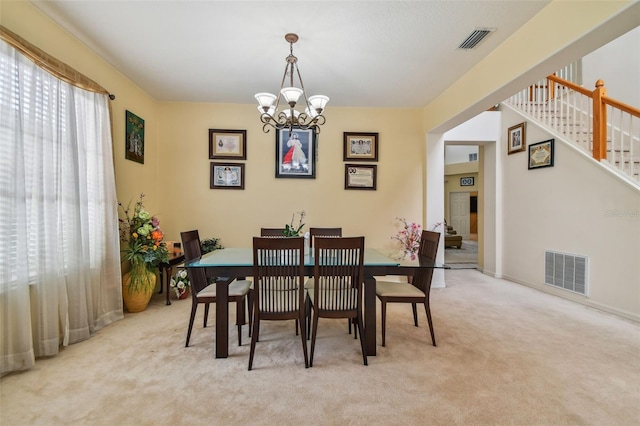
222 319
167 280
370 314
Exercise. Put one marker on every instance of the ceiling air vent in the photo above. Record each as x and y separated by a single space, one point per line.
475 37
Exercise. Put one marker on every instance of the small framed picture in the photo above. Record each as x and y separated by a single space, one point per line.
517 138
360 146
296 153
541 154
360 176
227 176
228 144
134 137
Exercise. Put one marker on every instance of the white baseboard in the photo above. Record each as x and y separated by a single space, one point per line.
583 300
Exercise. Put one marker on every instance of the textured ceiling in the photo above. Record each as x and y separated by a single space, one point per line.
359 53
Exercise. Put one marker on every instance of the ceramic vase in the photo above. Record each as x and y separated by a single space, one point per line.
136 297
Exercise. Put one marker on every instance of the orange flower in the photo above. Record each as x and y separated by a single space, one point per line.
157 235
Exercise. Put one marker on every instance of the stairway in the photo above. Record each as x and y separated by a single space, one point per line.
569 114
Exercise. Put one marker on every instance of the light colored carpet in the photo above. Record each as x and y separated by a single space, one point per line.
506 355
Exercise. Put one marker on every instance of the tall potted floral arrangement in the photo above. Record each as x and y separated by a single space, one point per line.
144 249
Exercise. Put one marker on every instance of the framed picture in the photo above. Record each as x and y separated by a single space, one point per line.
227 176
541 154
360 146
228 144
296 153
360 176
134 138
517 138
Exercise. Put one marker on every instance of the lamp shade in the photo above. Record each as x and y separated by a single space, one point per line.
311 112
287 112
271 110
318 102
291 94
265 100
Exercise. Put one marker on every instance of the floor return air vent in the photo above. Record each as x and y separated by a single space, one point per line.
567 271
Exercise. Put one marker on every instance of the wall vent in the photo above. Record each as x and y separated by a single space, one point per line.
567 271
475 37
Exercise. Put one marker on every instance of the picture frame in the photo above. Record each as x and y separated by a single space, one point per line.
517 138
134 138
360 146
227 144
296 153
360 176
541 154
227 175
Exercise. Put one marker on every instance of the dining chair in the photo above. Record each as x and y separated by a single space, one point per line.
203 292
272 232
278 286
338 275
323 232
415 291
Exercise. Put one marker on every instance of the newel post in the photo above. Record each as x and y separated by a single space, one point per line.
599 122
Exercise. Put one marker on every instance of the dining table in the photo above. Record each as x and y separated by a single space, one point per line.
228 264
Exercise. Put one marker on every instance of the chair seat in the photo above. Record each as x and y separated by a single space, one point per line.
309 283
395 289
236 288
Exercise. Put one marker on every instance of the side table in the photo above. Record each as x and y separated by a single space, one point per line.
165 272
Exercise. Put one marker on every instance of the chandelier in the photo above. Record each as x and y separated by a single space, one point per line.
289 117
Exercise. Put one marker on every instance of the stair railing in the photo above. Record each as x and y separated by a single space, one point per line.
606 128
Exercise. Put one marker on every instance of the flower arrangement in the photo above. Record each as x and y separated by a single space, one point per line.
409 236
180 283
290 230
143 238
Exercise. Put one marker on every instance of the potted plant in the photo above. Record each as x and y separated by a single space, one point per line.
144 250
291 231
180 284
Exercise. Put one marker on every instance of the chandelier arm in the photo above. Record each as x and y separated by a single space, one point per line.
304 92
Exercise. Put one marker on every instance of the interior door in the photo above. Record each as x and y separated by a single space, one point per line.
459 204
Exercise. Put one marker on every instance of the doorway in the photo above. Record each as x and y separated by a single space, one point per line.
459 208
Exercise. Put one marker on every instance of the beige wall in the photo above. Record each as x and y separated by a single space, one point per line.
237 215
574 207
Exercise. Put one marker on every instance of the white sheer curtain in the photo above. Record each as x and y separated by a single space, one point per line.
60 278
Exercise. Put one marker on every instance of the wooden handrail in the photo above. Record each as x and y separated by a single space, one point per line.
600 102
570 85
621 105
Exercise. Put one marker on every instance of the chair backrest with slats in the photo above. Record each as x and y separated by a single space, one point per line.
278 274
323 232
272 232
428 248
193 251
338 273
